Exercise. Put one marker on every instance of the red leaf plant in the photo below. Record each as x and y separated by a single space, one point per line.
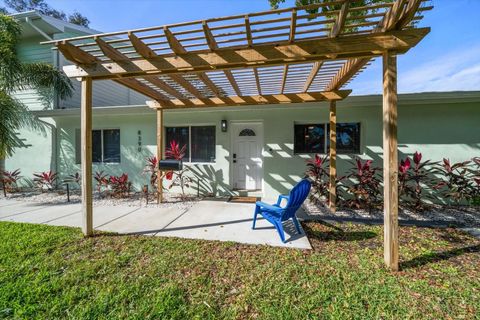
45 180
476 181
10 180
151 168
456 183
413 181
179 178
120 185
364 184
174 151
102 180
318 171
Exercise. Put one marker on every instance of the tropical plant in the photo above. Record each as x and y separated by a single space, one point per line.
45 180
120 185
179 178
476 181
102 180
10 180
317 171
16 75
413 181
456 181
151 168
364 184
74 178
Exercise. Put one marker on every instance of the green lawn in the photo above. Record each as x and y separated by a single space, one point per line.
53 272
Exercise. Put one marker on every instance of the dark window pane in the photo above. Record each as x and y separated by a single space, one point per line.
203 144
348 138
96 146
111 146
180 135
309 138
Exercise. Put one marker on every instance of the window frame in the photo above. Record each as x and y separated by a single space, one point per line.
190 141
327 138
78 161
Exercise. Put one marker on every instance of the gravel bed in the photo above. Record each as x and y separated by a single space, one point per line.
462 216
134 200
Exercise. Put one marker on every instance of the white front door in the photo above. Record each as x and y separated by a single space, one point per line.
246 156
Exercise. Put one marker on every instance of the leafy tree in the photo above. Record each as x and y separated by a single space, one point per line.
43 7
275 4
3 10
78 18
16 75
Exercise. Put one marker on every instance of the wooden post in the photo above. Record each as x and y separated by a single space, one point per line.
86 140
390 160
159 154
333 156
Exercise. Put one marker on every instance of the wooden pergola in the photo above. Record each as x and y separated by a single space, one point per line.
274 57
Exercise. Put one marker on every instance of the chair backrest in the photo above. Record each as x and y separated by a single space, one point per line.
297 196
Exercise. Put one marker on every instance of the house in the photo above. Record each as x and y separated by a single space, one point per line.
246 148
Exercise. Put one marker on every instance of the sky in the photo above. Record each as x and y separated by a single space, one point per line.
448 59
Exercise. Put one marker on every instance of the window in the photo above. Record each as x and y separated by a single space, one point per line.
247 133
309 138
199 142
105 146
315 138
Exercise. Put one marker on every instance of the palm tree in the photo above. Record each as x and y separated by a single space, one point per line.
15 75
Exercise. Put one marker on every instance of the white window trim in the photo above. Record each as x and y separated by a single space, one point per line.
102 145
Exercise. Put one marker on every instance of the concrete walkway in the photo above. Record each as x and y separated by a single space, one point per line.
209 220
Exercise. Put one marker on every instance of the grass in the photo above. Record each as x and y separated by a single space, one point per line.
53 272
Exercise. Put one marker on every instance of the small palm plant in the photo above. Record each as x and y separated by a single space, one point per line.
45 180
16 75
151 168
180 178
10 180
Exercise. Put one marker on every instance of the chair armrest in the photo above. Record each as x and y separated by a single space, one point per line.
281 197
269 208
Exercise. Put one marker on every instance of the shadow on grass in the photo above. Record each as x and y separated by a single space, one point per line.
438 256
337 234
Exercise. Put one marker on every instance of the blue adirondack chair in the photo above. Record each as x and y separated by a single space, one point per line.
276 214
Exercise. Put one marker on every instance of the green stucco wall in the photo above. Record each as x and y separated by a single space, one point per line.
436 129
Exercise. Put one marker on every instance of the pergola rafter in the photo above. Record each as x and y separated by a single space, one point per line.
280 56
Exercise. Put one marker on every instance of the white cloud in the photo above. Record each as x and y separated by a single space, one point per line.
457 70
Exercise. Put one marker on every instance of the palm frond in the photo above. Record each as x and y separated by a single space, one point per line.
15 115
41 75
10 32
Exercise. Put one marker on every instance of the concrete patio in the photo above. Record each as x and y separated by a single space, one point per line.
208 220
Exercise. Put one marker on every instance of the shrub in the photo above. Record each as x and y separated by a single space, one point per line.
102 180
10 180
74 178
45 180
120 185
151 168
476 182
364 184
318 172
456 183
413 179
180 178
